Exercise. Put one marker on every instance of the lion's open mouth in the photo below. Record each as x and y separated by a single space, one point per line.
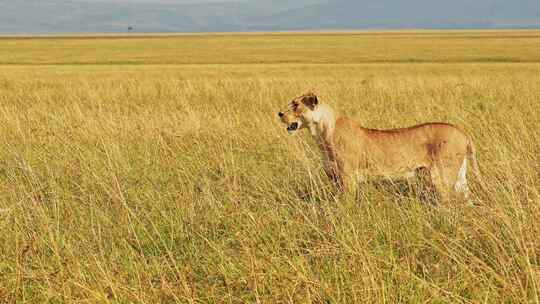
292 127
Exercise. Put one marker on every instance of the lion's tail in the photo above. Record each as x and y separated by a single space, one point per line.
471 155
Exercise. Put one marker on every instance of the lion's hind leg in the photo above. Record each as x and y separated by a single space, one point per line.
447 179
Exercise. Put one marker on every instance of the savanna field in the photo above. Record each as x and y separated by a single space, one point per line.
154 169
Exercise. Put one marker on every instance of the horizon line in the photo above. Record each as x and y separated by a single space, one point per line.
29 35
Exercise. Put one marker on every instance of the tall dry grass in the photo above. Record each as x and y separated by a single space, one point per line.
176 183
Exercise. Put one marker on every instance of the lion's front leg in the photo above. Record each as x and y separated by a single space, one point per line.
335 174
332 171
344 178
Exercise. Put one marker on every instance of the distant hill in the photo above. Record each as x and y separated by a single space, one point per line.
412 14
33 16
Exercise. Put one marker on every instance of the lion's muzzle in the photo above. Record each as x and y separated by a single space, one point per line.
292 127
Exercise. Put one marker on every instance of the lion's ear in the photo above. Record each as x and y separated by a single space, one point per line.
311 101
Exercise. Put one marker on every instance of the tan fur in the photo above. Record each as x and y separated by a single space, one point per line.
353 153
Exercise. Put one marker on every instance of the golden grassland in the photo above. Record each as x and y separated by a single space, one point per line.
361 47
154 169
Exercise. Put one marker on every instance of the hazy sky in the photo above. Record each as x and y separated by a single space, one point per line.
57 16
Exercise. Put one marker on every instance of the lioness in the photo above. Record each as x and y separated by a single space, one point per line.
352 154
